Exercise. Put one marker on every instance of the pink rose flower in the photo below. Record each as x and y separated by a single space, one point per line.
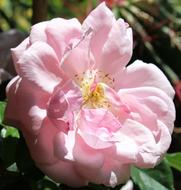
86 117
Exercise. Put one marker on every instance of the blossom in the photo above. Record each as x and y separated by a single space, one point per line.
85 116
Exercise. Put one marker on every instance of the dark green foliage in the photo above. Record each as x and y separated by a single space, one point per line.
159 177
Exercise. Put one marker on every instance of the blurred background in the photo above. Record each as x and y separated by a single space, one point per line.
157 39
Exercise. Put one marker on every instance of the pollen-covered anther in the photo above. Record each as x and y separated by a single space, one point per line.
96 98
92 88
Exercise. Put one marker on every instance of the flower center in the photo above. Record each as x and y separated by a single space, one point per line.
92 88
94 97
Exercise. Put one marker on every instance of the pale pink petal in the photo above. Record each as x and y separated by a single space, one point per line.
114 173
161 108
28 108
146 95
61 33
150 157
164 140
78 59
58 105
96 141
87 156
117 50
144 140
96 127
64 101
39 64
125 150
100 21
111 95
18 51
71 92
64 144
41 145
64 172
113 98
37 32
111 174
150 149
99 118
38 115
140 74
100 16
138 132
141 113
111 40
11 115
74 97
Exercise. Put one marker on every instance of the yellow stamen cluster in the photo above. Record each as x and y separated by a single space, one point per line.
95 98
93 92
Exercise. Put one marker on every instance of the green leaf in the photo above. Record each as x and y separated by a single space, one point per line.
2 109
174 160
9 132
159 177
12 168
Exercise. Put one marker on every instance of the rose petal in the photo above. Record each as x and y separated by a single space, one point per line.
140 112
111 41
11 115
23 97
168 116
138 132
87 156
78 59
39 64
150 149
38 115
64 172
100 21
18 51
61 32
65 101
37 32
113 98
140 74
41 145
111 174
96 127
64 144
58 105
150 157
126 150
117 50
